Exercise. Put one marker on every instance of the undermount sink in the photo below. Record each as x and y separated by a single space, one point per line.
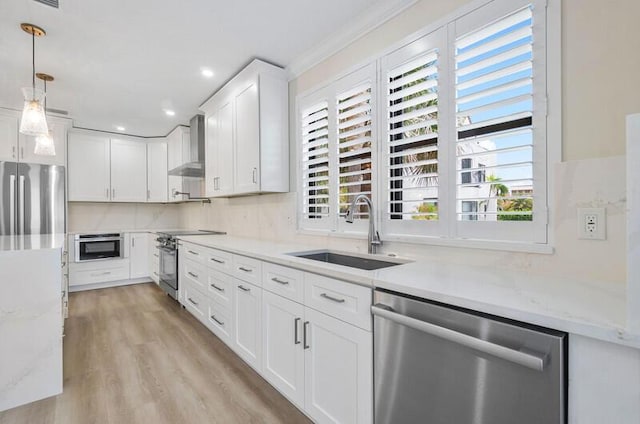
344 259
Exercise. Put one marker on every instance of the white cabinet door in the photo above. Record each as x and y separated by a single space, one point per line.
139 255
58 130
128 171
247 340
282 351
8 137
247 127
157 180
338 370
219 162
89 172
174 149
211 154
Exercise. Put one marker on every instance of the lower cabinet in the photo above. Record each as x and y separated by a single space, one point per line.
282 346
321 360
247 335
338 370
138 255
154 257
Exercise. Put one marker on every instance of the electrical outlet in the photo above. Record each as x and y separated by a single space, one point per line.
592 223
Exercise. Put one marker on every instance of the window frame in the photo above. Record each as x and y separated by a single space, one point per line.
455 235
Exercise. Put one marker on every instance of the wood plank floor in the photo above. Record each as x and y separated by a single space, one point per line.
133 355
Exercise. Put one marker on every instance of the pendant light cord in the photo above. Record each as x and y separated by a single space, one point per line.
33 61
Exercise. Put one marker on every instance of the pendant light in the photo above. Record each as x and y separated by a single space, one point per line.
33 120
44 142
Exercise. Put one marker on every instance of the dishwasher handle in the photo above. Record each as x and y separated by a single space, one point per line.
528 360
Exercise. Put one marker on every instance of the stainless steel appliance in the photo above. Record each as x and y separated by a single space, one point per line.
194 164
32 199
96 247
168 246
441 365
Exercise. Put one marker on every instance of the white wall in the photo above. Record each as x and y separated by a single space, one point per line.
599 66
121 216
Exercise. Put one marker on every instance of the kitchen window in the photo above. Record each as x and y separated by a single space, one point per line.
453 146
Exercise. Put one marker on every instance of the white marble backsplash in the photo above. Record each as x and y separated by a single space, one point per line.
113 216
584 183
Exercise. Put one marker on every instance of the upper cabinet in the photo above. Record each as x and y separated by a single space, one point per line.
124 169
157 181
89 172
128 171
178 154
16 147
247 134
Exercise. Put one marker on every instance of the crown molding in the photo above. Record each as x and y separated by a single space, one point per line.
374 17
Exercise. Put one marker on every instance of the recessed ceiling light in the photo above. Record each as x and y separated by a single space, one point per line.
169 112
208 73
119 128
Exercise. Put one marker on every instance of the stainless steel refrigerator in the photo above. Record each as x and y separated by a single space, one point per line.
32 199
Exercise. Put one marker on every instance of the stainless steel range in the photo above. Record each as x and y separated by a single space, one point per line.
168 246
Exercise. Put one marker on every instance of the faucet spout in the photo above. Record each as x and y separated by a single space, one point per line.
373 238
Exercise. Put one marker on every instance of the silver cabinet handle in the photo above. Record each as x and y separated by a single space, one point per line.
148 194
13 152
193 253
192 274
241 268
255 175
155 273
193 301
217 260
156 255
217 320
295 331
95 274
107 196
22 152
279 281
133 242
113 193
243 288
333 299
305 334
220 289
528 360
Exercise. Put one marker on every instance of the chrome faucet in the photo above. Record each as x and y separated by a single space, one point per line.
373 238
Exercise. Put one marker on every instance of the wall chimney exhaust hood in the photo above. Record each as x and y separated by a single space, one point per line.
193 166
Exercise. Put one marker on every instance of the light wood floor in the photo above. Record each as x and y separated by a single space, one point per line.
133 355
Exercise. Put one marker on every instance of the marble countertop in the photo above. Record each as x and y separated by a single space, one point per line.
126 230
31 242
587 308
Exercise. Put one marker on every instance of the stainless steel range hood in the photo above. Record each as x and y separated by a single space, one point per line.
193 166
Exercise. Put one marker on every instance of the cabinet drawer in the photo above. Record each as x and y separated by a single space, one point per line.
98 272
219 321
287 282
194 273
219 260
195 302
193 252
346 301
220 286
247 269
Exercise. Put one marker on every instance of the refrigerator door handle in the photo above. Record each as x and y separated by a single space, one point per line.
12 204
21 211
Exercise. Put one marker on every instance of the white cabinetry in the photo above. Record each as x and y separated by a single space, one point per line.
338 370
128 171
139 255
58 128
16 147
157 181
154 257
247 340
8 136
282 348
89 172
247 131
178 153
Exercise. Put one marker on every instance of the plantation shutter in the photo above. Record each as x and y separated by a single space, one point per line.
354 147
412 149
498 144
315 164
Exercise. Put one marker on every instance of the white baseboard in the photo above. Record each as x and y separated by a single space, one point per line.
108 284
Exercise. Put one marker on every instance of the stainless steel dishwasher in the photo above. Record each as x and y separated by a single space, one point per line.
442 365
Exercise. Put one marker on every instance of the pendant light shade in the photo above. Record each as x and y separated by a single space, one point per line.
34 121
45 145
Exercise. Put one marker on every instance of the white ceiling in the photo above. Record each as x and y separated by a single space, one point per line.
122 62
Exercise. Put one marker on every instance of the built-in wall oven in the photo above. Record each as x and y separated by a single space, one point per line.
94 247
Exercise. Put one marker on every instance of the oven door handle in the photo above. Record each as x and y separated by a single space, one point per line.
528 360
91 240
